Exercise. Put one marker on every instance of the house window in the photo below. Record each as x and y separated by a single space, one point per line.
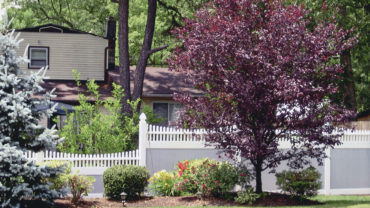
168 111
58 120
62 121
38 56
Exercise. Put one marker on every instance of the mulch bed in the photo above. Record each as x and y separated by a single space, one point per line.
272 199
275 199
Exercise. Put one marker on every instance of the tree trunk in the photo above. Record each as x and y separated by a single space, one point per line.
124 68
349 96
124 61
258 169
145 49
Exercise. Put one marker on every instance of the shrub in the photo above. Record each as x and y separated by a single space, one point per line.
247 197
125 178
79 185
58 183
299 183
99 132
165 183
209 176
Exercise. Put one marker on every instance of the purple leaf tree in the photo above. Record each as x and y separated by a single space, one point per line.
265 77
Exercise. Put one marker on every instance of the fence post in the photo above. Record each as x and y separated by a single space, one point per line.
143 139
327 172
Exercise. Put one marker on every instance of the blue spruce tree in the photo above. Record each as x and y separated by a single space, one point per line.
22 182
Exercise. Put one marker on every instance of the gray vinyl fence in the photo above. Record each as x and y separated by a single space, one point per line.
345 171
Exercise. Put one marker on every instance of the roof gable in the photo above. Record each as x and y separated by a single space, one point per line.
158 82
53 28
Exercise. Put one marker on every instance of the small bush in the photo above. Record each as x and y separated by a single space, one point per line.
165 183
247 197
125 178
58 183
79 185
299 183
209 176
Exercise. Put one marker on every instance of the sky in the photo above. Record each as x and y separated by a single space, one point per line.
2 10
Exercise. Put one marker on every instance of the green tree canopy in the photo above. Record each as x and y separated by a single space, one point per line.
350 14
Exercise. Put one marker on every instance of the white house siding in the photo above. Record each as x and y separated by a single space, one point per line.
43 121
68 51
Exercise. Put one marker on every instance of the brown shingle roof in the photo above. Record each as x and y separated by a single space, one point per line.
158 82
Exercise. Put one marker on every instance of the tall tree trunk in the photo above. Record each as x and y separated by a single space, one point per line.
258 169
145 51
124 61
349 96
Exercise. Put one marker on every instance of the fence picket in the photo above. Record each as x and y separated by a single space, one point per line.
155 134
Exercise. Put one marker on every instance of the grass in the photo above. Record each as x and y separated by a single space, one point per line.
330 201
344 201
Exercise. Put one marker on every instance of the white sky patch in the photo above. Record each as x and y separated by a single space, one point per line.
2 10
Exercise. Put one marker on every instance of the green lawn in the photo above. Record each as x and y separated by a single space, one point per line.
332 201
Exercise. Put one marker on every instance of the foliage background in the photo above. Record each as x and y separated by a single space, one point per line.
91 16
97 125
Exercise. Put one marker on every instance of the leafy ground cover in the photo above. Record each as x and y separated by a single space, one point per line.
186 201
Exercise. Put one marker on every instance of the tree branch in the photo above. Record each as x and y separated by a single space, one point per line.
42 10
177 13
172 8
157 49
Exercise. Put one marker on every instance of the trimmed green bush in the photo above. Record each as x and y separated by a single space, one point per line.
125 178
299 183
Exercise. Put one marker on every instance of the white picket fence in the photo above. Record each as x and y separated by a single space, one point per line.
88 164
170 137
157 137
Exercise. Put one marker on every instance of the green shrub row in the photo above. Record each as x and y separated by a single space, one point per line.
209 177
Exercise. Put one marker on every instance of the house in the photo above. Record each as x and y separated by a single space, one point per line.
363 121
63 49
